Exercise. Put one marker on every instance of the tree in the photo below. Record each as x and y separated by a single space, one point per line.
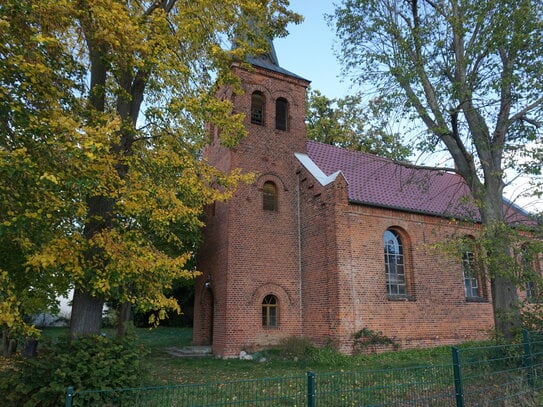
349 124
470 71
103 106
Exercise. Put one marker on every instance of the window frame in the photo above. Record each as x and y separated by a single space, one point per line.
258 108
473 276
270 198
270 312
281 114
398 278
472 287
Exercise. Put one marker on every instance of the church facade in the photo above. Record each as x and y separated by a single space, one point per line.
326 241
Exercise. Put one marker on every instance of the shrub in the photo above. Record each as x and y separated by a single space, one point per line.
368 340
93 362
295 347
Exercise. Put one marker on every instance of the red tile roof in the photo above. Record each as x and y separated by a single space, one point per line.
378 181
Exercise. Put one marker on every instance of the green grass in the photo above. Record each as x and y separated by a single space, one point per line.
375 378
166 369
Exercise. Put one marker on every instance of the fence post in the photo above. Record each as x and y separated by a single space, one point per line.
311 397
69 396
528 357
458 385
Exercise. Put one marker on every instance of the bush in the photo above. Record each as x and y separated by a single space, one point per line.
367 340
93 362
295 347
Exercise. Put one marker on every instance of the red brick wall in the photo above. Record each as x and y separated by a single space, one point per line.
439 313
344 284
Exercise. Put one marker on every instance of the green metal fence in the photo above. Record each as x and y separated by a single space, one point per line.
506 375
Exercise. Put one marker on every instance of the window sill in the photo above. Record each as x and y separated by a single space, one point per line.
267 327
476 299
401 298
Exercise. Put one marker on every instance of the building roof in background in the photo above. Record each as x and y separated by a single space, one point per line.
381 182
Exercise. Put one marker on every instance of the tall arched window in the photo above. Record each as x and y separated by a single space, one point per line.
269 196
281 114
257 108
394 264
471 283
270 311
474 281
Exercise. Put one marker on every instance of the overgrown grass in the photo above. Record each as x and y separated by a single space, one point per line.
379 377
292 358
288 360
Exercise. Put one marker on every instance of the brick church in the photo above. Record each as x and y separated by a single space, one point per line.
328 241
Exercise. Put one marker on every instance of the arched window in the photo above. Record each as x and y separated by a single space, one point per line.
394 264
471 283
269 196
257 108
281 114
474 282
270 311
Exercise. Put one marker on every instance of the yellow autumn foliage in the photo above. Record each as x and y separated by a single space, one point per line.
105 106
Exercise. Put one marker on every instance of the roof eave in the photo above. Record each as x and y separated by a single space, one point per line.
411 210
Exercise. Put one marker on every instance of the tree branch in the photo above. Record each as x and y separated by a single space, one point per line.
521 114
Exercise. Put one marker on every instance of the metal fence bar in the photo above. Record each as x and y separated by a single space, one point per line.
477 376
311 400
458 385
528 358
69 396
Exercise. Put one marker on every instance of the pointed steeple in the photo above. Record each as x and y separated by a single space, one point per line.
268 60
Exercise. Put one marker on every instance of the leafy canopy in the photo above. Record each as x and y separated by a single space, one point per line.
348 123
468 71
103 106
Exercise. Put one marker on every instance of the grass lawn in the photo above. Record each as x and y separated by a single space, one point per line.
285 368
166 369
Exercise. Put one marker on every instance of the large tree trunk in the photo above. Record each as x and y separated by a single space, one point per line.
86 316
9 345
506 309
124 318
504 288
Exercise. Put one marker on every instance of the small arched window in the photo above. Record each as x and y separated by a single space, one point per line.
281 114
257 108
394 264
270 311
269 196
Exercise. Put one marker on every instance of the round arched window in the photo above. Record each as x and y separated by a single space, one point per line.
270 311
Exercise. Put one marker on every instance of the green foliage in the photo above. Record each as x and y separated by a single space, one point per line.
348 123
100 191
294 347
368 340
94 362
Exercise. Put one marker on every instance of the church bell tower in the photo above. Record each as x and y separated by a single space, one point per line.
249 295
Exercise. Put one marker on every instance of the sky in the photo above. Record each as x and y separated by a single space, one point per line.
308 51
